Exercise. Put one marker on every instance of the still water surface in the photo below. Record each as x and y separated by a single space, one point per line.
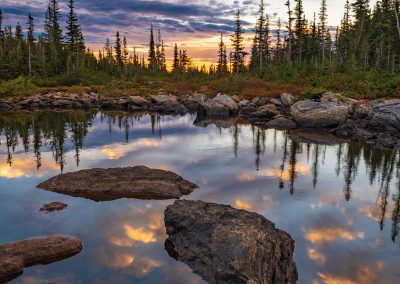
340 202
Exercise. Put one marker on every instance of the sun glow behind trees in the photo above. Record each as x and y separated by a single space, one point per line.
367 37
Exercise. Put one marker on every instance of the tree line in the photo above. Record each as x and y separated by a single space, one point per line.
366 38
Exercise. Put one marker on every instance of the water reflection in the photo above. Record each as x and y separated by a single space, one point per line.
338 200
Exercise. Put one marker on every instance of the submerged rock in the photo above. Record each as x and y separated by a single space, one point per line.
310 114
111 184
227 245
54 206
14 257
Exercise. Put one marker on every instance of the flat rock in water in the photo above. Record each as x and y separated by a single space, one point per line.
14 257
54 206
111 184
227 245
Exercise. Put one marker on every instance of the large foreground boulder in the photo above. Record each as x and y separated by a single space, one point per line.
310 114
386 115
42 250
227 245
111 184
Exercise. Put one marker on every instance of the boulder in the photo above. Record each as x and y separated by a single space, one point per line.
169 104
52 207
226 245
137 100
110 184
310 114
165 99
287 100
41 250
282 123
263 114
386 115
213 108
227 101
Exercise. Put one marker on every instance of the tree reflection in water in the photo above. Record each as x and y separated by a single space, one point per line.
38 130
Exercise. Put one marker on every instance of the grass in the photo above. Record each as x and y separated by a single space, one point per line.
304 83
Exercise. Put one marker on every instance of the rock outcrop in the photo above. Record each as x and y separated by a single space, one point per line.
311 114
14 257
227 245
52 207
111 184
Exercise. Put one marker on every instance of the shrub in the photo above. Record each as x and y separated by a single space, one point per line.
18 87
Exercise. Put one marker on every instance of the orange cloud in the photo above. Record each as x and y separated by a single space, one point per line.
243 177
316 256
323 235
241 204
26 167
139 234
331 279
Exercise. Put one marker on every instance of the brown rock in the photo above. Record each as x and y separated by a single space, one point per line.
42 250
111 184
227 245
54 206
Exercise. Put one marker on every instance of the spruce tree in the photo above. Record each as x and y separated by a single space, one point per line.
53 34
176 63
238 55
118 50
152 51
222 67
74 40
323 27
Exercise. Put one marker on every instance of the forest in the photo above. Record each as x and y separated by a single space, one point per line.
360 57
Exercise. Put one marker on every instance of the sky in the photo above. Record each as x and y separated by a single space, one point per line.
194 25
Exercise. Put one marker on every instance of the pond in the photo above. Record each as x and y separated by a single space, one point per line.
339 201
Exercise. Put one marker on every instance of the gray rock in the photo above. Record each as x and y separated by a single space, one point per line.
386 115
282 123
310 114
264 114
166 99
14 257
137 100
226 245
213 108
228 102
287 100
111 184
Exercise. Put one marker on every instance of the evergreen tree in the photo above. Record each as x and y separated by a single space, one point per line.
118 50
53 34
176 63
152 51
74 40
323 32
238 55
222 67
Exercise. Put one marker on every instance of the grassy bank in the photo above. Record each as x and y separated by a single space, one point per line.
357 84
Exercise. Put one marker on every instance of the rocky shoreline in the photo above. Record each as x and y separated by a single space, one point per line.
376 121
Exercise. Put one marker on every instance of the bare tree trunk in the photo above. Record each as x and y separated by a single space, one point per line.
30 59
397 15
